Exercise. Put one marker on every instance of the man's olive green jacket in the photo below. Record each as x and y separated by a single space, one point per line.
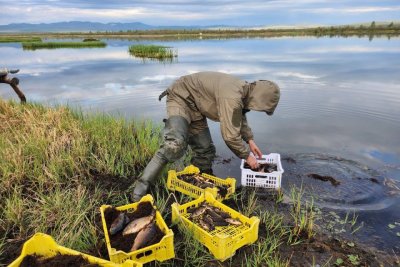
222 97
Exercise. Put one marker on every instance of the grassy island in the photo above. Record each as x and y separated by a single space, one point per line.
54 45
152 51
19 39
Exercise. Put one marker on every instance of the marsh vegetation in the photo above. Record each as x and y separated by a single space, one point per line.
370 30
152 51
18 39
54 45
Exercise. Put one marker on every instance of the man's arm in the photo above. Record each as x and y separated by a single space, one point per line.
231 119
245 130
248 137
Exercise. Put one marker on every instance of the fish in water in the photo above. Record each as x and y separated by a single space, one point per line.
119 223
325 178
138 224
145 237
233 221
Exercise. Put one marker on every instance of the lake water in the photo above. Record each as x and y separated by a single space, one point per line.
339 112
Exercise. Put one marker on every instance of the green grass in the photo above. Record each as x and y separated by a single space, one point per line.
54 45
152 51
18 39
47 160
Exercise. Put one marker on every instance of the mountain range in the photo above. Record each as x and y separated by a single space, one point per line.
86 26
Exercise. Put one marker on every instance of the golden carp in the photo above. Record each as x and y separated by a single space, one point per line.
145 237
233 221
207 219
118 223
138 224
198 212
205 225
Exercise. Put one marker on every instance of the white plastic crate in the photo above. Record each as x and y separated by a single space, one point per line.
260 179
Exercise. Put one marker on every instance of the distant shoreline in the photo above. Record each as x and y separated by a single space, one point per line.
333 31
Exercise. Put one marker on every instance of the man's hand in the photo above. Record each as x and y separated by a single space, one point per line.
254 149
252 161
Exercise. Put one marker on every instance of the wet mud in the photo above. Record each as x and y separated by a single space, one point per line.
57 260
125 242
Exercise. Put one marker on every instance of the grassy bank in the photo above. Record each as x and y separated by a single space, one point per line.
18 39
57 167
366 30
152 51
54 45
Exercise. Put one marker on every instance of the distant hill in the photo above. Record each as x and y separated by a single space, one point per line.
86 26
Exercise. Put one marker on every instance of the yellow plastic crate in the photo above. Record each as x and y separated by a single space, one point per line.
224 240
175 184
161 251
44 245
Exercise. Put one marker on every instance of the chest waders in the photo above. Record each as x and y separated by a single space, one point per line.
177 134
173 146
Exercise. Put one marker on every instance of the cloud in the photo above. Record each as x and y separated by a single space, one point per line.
296 75
206 12
363 9
158 78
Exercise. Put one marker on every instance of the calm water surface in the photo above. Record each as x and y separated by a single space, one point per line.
339 112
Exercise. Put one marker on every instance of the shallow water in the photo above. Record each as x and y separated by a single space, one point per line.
339 113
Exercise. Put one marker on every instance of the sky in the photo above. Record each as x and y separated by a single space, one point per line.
202 12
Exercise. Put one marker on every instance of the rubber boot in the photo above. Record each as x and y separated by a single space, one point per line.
173 147
152 170
203 151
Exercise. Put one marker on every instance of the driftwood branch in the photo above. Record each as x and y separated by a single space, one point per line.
13 82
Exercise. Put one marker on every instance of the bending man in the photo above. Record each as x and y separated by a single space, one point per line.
217 96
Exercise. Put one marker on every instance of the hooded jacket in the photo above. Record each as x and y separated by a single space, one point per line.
222 97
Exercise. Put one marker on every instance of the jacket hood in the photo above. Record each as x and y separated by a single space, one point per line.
263 96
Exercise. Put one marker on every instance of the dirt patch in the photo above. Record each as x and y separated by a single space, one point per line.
125 242
58 260
12 250
325 178
110 182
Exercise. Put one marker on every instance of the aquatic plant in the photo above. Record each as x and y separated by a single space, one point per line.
54 45
152 51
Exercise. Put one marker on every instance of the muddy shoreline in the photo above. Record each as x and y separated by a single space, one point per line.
327 246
